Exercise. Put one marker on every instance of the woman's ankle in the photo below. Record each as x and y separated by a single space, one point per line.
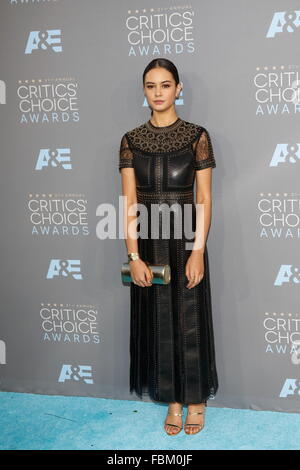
193 405
175 404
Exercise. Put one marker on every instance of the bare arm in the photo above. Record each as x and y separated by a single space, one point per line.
130 212
140 273
204 162
204 210
126 168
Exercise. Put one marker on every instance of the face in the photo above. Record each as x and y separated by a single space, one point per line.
160 89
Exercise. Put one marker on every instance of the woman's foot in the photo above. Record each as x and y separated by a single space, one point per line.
195 418
173 421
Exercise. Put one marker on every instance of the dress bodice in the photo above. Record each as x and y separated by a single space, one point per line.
165 158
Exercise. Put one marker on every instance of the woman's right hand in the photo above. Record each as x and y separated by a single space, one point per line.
140 273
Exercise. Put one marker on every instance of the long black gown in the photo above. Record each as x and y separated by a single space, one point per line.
172 355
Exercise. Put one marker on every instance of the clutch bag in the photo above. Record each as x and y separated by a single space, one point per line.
161 273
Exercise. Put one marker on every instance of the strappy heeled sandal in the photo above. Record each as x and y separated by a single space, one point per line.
200 426
174 425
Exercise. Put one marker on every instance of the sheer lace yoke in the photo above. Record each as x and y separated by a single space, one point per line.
177 136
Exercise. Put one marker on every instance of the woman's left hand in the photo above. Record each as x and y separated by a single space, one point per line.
194 269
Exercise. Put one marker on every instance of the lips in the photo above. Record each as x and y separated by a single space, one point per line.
158 102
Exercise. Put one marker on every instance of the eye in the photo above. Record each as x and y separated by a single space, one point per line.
165 86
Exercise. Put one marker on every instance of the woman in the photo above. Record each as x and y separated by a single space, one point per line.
171 333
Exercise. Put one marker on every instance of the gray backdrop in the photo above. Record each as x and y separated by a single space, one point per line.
70 87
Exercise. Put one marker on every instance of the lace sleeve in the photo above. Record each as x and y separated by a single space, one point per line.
204 155
125 154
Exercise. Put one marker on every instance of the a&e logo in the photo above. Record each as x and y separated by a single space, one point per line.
284 22
54 158
44 40
287 273
64 268
285 153
290 387
2 352
2 92
77 373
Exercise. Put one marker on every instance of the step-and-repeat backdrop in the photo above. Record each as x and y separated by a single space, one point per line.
70 87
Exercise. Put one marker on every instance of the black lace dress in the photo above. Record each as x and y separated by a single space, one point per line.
172 355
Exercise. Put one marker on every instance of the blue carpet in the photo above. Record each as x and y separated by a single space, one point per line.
51 422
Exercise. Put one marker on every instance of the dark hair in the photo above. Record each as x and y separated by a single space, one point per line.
166 64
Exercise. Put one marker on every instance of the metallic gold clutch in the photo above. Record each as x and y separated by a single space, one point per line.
161 273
